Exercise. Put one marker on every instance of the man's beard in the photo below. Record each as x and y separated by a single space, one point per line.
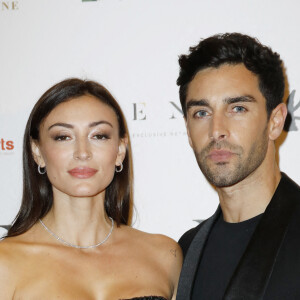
225 174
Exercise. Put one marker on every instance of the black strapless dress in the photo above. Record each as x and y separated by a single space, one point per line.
147 298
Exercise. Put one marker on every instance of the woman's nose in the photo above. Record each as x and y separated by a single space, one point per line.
82 150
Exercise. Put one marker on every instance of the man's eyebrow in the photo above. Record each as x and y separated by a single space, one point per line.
93 124
228 100
201 102
246 98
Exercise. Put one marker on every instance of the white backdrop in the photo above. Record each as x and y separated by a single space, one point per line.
132 47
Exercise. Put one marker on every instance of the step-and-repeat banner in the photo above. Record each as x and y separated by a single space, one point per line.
132 47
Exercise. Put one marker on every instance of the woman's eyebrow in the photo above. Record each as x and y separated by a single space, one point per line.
66 125
93 124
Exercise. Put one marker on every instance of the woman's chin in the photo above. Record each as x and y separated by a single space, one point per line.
82 191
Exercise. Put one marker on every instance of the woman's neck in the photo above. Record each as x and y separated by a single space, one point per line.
78 220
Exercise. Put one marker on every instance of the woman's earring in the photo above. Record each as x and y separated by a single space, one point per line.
119 168
43 171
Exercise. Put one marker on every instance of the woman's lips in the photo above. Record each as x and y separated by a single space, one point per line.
220 155
82 172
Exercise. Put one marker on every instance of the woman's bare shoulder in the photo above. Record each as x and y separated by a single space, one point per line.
164 250
11 250
8 246
160 246
163 241
9 262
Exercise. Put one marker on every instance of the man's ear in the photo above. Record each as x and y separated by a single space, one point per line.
122 150
277 120
37 155
188 132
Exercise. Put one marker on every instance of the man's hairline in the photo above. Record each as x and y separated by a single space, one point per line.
186 86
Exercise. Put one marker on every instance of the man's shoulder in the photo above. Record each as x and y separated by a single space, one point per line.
188 237
288 181
289 184
288 190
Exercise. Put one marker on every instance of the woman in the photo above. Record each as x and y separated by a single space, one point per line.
71 239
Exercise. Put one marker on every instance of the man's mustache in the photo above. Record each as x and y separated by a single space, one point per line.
222 145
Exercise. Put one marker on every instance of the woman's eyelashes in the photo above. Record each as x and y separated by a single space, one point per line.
68 137
61 137
101 136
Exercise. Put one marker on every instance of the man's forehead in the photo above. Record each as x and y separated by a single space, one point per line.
227 81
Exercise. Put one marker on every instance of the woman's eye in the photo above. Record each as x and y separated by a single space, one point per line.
100 137
239 109
61 138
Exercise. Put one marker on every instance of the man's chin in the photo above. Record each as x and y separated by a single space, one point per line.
221 180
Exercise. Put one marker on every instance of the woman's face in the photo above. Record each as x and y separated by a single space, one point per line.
79 146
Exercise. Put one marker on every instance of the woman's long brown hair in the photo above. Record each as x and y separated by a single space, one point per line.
37 197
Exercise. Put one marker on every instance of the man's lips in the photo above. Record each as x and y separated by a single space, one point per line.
220 155
82 172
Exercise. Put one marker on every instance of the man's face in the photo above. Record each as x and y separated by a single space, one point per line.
227 123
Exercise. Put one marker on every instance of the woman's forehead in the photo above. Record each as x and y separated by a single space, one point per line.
82 110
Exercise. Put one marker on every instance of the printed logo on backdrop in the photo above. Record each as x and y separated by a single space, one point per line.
9 5
290 123
7 146
140 114
139 111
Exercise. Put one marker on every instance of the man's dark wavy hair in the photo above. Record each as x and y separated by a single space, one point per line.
234 48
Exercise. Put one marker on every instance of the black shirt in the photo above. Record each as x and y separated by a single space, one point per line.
223 250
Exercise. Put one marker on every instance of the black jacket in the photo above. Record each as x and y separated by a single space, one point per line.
270 266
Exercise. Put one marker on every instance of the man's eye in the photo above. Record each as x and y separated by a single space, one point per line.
61 138
239 109
201 114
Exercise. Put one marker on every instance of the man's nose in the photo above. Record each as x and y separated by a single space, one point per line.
219 127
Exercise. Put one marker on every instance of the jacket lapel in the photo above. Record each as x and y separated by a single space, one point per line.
192 258
254 270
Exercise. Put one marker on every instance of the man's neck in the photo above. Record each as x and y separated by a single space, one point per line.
251 196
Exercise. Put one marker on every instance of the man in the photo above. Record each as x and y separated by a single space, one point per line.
231 90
